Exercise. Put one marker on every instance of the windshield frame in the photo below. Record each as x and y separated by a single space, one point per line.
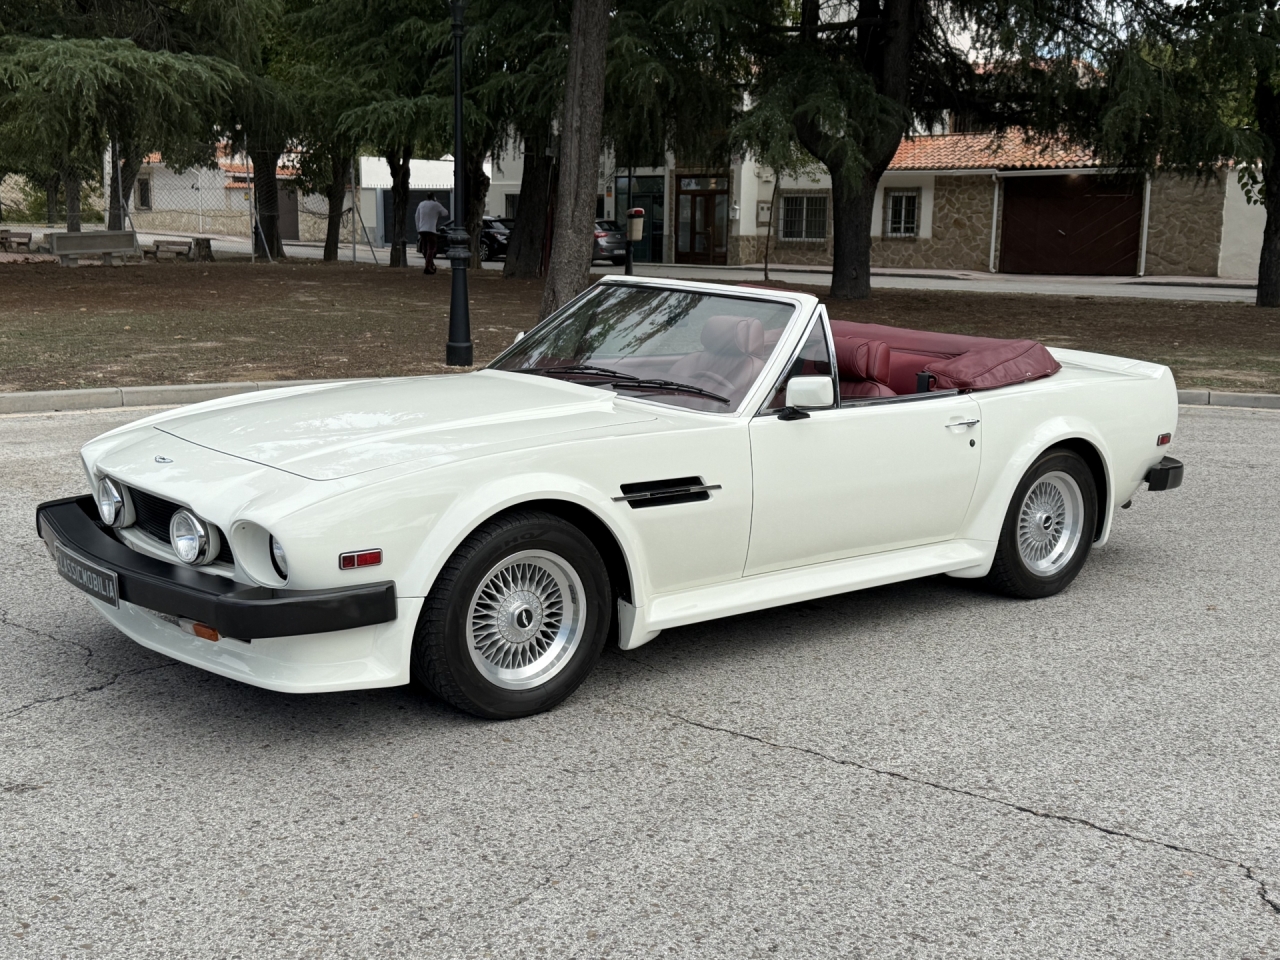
802 306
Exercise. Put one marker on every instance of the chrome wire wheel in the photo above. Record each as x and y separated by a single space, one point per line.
1050 523
526 619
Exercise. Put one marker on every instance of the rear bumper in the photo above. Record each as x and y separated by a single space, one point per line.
233 609
1165 475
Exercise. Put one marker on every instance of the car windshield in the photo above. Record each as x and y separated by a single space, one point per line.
682 347
609 225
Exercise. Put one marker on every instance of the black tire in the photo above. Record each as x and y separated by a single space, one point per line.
1014 571
442 658
484 251
618 261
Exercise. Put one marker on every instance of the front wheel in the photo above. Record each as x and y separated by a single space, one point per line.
1048 529
516 619
484 251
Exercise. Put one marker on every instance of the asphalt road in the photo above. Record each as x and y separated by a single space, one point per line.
916 771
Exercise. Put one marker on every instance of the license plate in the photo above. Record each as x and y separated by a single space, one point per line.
89 577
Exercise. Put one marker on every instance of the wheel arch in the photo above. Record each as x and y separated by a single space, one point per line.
596 530
1093 458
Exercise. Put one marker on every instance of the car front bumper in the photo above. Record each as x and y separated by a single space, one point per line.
295 641
233 609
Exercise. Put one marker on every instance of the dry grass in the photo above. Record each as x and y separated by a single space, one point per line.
190 323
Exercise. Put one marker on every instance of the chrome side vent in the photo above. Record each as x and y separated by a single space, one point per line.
661 493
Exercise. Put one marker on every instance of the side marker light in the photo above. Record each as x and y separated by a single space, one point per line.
359 558
1163 439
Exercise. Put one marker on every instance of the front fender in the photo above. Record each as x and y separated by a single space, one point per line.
472 507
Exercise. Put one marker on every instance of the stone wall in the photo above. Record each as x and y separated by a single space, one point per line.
961 230
1184 226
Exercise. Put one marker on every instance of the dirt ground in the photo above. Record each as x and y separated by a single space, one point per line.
192 323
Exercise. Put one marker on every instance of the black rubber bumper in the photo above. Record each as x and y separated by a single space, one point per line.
1165 475
233 609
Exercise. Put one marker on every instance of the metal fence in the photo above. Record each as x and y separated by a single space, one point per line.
217 203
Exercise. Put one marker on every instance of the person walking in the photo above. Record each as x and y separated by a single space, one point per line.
427 219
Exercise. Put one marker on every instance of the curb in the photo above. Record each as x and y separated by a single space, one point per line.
99 398
1221 398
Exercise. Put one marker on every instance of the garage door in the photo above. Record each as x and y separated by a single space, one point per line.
1081 225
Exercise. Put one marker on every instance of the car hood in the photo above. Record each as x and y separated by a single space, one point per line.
338 430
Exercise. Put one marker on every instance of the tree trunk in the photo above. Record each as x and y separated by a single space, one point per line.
126 161
267 191
398 160
477 188
773 212
1268 107
51 200
580 126
851 205
336 194
71 186
524 246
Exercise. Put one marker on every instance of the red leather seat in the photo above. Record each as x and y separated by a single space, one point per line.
731 356
864 367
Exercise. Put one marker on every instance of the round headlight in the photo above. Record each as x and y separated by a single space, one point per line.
110 502
189 537
279 560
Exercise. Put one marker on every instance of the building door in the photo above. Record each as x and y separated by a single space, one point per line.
649 195
1080 225
287 198
702 220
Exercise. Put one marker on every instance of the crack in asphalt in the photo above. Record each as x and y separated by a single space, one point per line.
1264 893
5 621
111 681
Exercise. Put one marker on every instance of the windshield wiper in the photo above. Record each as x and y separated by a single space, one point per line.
580 368
671 385
627 380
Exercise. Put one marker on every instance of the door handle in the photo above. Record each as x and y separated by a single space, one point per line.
963 423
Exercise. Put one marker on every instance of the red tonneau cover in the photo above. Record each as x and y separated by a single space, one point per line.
957 362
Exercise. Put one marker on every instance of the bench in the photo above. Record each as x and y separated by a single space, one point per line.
69 247
168 250
12 240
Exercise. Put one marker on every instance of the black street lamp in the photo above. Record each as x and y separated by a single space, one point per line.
458 349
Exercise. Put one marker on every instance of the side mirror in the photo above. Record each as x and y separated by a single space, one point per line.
809 392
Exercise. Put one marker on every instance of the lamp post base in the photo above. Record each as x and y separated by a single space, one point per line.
457 354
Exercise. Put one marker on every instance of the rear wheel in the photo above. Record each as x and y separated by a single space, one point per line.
484 251
517 618
1048 528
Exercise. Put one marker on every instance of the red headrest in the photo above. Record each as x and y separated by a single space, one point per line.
862 359
733 335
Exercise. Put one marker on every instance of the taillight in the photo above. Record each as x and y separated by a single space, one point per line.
1163 439
600 234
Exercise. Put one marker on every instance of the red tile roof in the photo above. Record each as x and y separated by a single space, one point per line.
980 151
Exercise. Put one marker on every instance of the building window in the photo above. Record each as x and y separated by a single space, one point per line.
142 193
510 201
804 217
902 213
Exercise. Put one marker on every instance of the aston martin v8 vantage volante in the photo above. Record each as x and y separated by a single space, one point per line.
656 453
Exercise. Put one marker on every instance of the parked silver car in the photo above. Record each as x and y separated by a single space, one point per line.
610 242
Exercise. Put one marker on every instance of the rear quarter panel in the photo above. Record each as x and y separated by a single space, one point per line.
1119 406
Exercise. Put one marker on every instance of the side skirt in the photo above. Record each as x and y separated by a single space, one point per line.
805 583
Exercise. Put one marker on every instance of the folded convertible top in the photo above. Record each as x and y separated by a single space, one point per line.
955 361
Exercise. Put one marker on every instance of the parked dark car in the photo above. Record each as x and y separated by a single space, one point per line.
494 237
611 242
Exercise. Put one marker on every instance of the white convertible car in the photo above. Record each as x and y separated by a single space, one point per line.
657 453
